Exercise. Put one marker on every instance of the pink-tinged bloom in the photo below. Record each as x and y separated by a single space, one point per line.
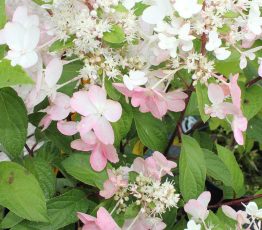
101 153
260 69
219 108
68 128
103 221
58 110
116 180
239 216
98 112
53 72
144 223
198 208
154 101
155 166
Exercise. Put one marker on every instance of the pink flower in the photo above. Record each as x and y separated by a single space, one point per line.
101 153
58 110
155 166
144 223
103 221
239 216
154 101
116 180
198 208
98 112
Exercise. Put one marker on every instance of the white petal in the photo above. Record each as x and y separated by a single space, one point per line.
53 72
31 38
14 36
222 53
152 15
215 93
28 59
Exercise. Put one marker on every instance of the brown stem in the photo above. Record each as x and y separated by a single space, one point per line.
253 81
235 202
28 150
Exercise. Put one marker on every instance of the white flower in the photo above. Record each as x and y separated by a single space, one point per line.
253 210
191 225
187 8
157 12
168 43
254 22
214 43
186 40
22 35
135 78
129 4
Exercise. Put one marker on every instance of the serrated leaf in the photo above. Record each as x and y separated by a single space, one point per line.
192 169
21 193
10 76
237 176
151 131
216 168
78 166
13 122
202 99
44 174
61 211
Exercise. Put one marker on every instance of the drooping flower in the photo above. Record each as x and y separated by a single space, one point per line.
97 112
103 221
101 153
198 208
154 101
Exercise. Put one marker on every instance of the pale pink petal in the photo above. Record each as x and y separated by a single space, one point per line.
112 111
157 105
20 14
204 198
196 210
86 124
91 226
230 212
110 153
139 165
109 190
80 103
105 220
97 160
28 59
122 89
80 145
89 138
104 131
97 97
215 93
67 128
53 72
85 218
235 91
45 122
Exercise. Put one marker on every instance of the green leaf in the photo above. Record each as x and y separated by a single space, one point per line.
254 130
122 126
192 169
13 122
237 177
43 172
21 193
151 131
202 99
10 75
251 103
115 36
78 166
61 211
61 45
139 8
111 91
10 220
216 168
250 71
